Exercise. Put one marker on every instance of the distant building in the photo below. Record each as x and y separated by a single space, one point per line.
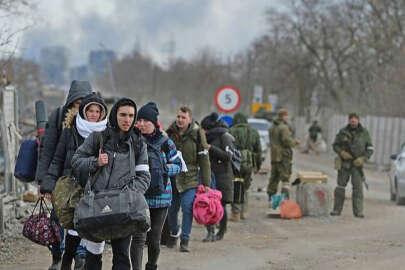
99 60
80 73
54 65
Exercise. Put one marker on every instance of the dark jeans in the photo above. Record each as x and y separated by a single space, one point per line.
157 219
120 249
185 200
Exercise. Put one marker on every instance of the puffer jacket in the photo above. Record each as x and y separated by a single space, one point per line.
116 174
220 140
193 146
50 138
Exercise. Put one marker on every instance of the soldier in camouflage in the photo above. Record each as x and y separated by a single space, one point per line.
247 140
281 144
353 146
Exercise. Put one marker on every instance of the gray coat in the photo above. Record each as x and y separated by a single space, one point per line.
117 172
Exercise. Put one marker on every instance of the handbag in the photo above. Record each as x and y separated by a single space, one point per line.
113 213
66 194
40 228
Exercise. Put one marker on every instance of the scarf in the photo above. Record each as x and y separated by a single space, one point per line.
85 128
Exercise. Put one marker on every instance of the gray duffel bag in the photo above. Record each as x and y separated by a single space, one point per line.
111 214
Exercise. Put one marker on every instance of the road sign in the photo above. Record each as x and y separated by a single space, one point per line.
227 99
227 119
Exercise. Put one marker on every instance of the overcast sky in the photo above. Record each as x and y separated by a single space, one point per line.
228 26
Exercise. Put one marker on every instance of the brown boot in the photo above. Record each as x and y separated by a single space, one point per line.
235 217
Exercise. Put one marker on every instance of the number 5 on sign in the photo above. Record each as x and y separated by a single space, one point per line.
227 99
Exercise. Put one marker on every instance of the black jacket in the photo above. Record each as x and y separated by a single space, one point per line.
220 140
61 164
53 130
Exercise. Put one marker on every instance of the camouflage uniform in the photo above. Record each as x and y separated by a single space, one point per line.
352 145
281 143
248 138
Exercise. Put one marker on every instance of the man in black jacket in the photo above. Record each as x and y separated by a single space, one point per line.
78 90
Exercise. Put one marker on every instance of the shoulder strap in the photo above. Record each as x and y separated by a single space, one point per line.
100 138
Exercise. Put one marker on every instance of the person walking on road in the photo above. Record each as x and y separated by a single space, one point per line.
220 143
353 146
165 163
281 144
247 141
47 148
191 142
91 117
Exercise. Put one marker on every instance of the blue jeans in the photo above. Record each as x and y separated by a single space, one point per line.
185 200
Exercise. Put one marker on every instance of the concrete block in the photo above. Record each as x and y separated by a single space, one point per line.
314 199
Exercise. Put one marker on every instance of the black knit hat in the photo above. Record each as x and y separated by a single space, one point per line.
210 121
149 112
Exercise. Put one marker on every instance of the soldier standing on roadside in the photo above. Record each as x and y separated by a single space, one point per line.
353 146
281 144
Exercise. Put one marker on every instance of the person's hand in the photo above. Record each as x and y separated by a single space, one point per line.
358 162
206 189
48 196
102 159
346 155
297 142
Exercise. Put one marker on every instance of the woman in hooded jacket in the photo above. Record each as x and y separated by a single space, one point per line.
77 127
165 162
220 142
113 160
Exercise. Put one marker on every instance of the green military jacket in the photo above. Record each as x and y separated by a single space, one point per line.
248 138
357 142
281 141
194 148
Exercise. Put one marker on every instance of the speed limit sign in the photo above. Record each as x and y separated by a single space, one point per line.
227 99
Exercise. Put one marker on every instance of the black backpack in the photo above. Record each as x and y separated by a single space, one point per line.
157 171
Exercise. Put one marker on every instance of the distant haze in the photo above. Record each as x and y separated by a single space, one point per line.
228 26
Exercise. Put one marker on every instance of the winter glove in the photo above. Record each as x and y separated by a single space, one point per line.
345 155
358 162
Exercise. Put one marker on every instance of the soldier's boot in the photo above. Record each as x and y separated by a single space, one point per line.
339 200
357 203
243 215
235 217
210 234
184 246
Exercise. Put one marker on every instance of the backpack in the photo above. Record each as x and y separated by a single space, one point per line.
247 161
26 164
157 171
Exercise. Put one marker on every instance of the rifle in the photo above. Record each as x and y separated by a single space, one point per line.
356 151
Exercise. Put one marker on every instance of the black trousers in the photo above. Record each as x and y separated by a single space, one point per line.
157 218
120 249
